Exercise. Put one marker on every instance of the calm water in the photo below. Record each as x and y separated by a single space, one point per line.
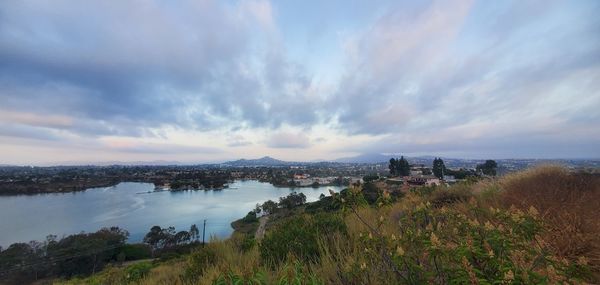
25 218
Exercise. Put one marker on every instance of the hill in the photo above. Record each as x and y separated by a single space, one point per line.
534 227
263 161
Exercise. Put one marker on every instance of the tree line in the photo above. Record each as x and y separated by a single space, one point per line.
78 254
401 167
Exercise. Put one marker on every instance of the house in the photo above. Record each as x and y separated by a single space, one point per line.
449 179
301 176
427 180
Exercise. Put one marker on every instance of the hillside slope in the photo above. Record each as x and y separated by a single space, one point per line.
540 226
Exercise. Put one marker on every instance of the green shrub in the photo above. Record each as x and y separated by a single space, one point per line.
136 251
244 242
257 278
250 218
445 245
299 236
136 272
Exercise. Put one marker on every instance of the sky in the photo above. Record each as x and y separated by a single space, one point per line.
205 80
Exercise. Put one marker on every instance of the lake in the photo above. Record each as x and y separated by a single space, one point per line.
24 218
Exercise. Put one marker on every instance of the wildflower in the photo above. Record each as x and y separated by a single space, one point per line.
434 240
393 237
474 223
488 226
399 251
533 211
509 276
429 227
582 260
552 275
386 194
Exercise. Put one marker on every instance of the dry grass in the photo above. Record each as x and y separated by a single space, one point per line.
568 204
165 274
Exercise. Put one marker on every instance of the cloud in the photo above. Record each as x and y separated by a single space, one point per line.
27 132
238 141
402 76
121 68
288 140
160 148
427 76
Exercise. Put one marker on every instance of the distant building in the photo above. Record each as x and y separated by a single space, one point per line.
301 176
449 179
427 180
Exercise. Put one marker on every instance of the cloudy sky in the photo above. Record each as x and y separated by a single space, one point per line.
208 80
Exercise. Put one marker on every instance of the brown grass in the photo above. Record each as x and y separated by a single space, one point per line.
569 205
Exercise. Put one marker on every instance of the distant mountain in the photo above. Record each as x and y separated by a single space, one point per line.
263 161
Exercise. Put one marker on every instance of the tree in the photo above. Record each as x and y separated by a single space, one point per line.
182 237
257 209
153 237
403 167
292 200
392 167
250 217
439 169
487 168
370 178
194 232
269 207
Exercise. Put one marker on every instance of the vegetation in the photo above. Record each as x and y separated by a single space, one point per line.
399 167
535 227
78 254
438 168
488 168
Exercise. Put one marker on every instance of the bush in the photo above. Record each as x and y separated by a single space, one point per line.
136 272
453 195
250 218
465 244
326 204
298 237
136 251
568 203
198 261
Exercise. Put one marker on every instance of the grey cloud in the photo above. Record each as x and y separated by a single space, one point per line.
237 141
27 132
438 70
288 140
165 149
507 146
123 67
